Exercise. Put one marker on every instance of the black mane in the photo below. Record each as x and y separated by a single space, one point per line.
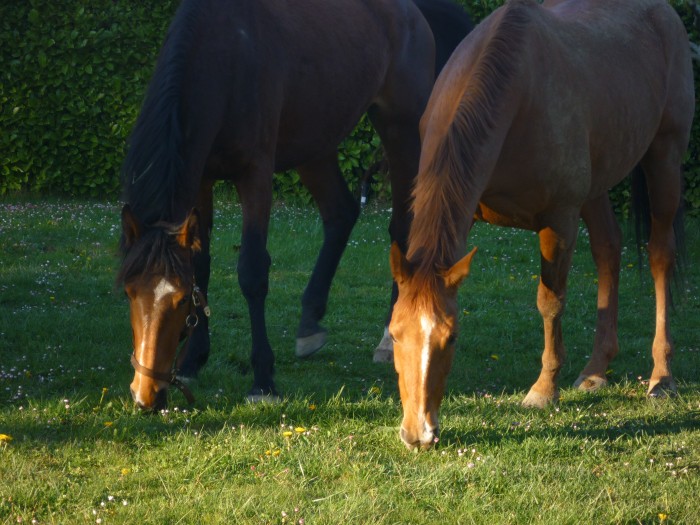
156 252
152 173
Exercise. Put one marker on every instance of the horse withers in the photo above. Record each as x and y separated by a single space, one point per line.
241 90
537 114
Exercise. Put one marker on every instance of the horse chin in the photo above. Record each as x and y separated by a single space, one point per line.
427 438
160 402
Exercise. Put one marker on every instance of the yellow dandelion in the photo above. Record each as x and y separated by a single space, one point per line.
494 357
4 438
276 452
104 390
108 424
287 433
663 516
268 452
312 407
299 430
126 471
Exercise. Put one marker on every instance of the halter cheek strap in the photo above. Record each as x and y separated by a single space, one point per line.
197 299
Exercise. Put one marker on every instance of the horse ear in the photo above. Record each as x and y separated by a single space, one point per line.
400 268
131 226
188 234
453 277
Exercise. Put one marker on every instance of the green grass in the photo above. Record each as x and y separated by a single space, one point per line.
330 453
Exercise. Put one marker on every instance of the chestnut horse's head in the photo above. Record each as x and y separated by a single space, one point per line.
424 328
157 273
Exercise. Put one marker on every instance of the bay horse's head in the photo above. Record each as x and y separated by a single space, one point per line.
424 327
157 273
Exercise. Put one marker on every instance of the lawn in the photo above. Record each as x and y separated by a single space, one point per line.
73 449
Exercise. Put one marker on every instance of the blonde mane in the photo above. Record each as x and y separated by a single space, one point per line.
443 189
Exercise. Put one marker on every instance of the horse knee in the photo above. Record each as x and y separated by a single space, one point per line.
549 303
253 276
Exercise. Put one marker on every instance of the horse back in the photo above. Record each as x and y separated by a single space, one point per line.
293 78
572 90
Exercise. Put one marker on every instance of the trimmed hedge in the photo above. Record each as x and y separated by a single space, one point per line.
72 78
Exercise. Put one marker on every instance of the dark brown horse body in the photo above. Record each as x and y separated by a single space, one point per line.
537 114
241 90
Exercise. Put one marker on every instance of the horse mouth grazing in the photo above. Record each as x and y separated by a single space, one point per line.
425 440
160 402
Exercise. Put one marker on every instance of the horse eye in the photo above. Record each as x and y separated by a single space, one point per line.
182 302
451 340
393 338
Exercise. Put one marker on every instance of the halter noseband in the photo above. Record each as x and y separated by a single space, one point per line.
197 299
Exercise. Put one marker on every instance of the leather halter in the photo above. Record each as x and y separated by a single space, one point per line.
197 299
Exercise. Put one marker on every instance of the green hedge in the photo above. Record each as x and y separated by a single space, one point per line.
72 77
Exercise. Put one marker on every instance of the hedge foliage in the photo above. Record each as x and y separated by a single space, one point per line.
73 74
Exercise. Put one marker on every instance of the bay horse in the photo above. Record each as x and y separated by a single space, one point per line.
241 90
539 111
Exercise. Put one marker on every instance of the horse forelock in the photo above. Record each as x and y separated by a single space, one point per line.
156 252
153 170
448 183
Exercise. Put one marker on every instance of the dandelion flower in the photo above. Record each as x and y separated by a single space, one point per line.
312 407
287 433
663 516
108 424
4 438
299 430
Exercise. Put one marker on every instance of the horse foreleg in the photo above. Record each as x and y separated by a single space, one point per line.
556 247
339 212
605 238
661 165
196 353
255 192
401 143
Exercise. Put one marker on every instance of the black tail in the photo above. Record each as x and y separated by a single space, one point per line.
641 210
449 22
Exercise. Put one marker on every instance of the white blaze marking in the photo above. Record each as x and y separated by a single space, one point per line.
163 288
427 324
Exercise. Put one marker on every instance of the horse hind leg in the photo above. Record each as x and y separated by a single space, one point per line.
661 165
339 212
605 239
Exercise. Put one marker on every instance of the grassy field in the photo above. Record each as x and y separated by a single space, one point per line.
74 450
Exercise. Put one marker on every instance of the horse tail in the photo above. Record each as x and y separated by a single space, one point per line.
641 212
449 22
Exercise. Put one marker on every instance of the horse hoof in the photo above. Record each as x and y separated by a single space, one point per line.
536 400
258 395
309 345
590 383
662 388
384 353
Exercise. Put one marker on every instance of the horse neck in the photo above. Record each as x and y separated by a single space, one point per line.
466 123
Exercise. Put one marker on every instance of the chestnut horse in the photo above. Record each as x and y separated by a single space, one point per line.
538 112
241 90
